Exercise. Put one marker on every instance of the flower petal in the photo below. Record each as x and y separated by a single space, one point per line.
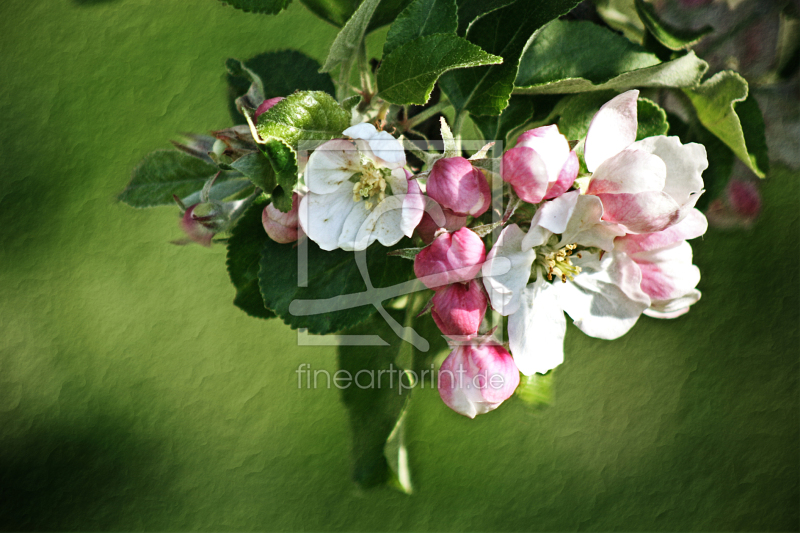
685 164
526 171
587 228
551 217
536 331
378 144
322 216
331 165
612 129
507 269
605 303
630 171
565 178
644 212
673 308
691 227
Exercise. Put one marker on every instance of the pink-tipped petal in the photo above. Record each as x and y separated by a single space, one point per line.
427 227
612 129
451 258
551 146
630 171
565 178
644 212
526 171
475 379
691 227
456 185
458 309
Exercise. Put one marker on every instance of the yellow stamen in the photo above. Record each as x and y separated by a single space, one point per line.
559 264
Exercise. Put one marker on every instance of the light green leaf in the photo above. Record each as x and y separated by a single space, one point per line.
408 75
268 7
258 169
330 274
686 71
234 188
505 33
536 390
471 10
307 115
244 253
345 47
284 165
164 173
420 18
724 107
668 35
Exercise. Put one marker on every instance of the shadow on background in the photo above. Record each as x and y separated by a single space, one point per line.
78 476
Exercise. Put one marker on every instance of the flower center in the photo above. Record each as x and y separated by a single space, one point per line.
370 187
559 264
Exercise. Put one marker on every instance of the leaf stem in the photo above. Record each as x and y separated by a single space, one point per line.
426 114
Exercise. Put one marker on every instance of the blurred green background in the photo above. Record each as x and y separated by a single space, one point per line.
134 395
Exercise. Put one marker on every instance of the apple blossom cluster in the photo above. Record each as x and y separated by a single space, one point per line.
599 232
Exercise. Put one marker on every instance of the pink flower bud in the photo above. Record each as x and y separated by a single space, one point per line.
281 227
460 187
541 166
458 309
266 105
427 227
199 229
475 379
451 258
739 207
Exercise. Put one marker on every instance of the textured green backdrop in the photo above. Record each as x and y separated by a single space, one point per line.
133 395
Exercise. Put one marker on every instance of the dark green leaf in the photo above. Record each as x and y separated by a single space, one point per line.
282 73
471 10
269 7
308 115
503 32
560 52
725 108
258 169
421 17
559 61
244 254
374 410
408 75
284 166
652 119
164 173
345 46
518 113
329 274
668 35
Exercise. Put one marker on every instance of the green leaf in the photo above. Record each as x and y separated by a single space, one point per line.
408 74
686 71
505 33
284 165
471 10
536 390
373 411
258 169
223 189
268 7
724 106
244 254
420 18
502 127
164 173
329 274
338 12
281 73
560 52
345 47
668 35
308 115
652 119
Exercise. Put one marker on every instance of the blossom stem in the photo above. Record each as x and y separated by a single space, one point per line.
425 115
